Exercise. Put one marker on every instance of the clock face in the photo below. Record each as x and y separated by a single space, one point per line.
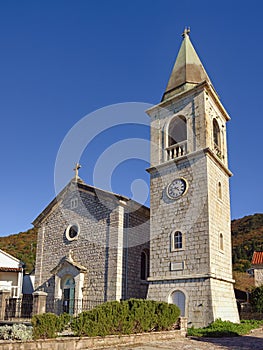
176 188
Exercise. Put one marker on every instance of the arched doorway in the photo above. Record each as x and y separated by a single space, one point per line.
178 298
69 295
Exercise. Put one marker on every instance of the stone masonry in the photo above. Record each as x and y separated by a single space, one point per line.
199 273
101 258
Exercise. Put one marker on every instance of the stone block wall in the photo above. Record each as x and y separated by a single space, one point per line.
137 241
219 220
104 258
197 292
89 249
187 215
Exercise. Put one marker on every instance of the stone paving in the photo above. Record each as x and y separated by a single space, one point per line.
253 341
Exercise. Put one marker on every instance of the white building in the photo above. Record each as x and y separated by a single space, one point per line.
11 274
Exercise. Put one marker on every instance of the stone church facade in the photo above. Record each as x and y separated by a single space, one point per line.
97 245
93 246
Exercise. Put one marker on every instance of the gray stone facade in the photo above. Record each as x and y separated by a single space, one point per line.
103 260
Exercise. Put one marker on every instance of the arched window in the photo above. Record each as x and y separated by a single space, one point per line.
144 264
216 135
221 241
177 138
177 130
178 298
176 240
219 190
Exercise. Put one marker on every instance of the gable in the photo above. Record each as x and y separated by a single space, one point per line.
106 201
9 261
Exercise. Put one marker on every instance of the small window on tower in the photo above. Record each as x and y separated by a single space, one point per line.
219 190
216 138
144 264
221 241
176 241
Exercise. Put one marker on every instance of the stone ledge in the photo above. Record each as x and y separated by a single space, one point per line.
76 343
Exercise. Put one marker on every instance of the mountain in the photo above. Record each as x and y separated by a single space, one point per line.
247 236
22 246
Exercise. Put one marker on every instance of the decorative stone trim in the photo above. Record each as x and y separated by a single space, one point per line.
72 231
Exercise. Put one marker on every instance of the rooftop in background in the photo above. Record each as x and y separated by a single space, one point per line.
257 258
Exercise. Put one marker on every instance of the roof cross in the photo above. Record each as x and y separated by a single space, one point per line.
76 169
186 32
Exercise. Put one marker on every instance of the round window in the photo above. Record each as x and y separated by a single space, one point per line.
72 232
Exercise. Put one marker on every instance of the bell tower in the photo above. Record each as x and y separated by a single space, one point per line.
190 247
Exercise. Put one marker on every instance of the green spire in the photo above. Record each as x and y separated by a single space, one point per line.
187 71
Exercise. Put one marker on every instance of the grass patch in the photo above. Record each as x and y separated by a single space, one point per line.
221 328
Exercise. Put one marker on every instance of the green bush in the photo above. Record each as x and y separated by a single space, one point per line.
129 316
221 328
256 299
48 325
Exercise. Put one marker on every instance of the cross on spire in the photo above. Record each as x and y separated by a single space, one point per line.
186 32
76 169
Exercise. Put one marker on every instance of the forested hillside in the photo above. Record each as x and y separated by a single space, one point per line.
247 236
22 246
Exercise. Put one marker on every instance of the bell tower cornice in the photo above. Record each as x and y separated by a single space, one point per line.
204 85
191 156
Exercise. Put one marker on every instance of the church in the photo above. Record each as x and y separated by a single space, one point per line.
95 246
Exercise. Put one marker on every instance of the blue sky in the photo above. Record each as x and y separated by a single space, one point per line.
61 60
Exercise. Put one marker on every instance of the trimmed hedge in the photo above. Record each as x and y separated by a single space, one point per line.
125 317
48 325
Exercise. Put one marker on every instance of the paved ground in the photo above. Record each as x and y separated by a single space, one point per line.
253 341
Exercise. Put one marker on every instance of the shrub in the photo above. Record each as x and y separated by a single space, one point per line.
256 299
129 316
16 332
21 332
48 325
221 328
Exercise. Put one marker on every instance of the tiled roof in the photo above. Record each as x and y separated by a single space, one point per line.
10 269
257 258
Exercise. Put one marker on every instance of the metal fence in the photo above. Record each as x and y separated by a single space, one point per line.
17 309
71 306
21 309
